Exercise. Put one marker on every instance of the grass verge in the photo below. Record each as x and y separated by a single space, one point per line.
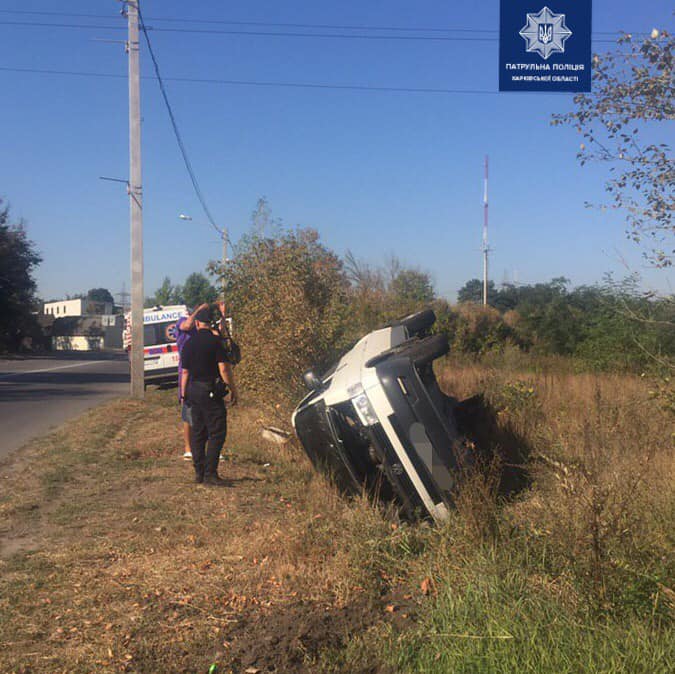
112 559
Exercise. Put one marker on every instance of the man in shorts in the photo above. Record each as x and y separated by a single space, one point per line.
185 329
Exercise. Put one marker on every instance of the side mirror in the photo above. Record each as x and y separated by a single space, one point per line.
312 382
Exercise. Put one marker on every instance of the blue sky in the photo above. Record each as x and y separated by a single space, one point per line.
376 173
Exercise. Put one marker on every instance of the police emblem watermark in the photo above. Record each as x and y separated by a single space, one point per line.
545 33
550 52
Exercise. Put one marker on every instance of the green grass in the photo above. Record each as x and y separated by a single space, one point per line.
502 625
498 608
126 550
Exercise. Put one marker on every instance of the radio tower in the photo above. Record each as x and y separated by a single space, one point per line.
485 248
124 297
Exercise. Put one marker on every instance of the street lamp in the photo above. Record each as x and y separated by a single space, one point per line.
223 236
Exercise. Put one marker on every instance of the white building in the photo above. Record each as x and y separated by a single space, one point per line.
79 307
65 308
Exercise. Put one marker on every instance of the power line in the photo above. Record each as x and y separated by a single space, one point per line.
46 71
256 33
255 83
319 26
176 131
337 36
292 85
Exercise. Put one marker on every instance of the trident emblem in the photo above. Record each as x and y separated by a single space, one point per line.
545 32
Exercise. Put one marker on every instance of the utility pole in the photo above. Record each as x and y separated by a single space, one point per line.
224 235
485 248
136 203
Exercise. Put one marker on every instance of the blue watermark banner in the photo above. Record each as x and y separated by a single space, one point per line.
545 47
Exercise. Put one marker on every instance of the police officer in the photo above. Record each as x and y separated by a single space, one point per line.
205 368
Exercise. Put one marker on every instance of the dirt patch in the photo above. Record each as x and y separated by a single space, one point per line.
291 638
16 543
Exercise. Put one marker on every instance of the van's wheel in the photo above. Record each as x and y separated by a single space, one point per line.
420 351
418 322
428 349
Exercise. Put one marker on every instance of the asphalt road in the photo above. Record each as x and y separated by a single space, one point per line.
41 393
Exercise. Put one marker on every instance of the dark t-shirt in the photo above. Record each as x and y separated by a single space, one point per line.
201 355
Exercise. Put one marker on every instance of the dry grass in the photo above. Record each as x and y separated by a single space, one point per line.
576 572
601 454
111 559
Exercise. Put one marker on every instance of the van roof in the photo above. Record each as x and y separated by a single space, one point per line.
159 314
167 307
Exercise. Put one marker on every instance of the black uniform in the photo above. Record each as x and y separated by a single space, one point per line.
200 357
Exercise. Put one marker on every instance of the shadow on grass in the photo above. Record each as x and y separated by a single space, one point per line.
242 480
479 422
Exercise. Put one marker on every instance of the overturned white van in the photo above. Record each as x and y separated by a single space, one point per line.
378 419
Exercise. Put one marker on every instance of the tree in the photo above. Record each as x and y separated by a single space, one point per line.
198 289
165 294
378 295
100 295
624 329
18 260
367 294
413 287
263 223
472 291
609 326
96 297
633 86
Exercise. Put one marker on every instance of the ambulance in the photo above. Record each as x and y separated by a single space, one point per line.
160 352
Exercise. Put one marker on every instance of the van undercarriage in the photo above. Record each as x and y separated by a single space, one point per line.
379 421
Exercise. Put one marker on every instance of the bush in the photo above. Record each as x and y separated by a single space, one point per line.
612 326
480 329
288 300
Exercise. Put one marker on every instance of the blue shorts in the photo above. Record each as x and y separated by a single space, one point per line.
186 413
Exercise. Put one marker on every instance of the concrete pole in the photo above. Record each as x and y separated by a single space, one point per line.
224 235
136 204
486 248
485 278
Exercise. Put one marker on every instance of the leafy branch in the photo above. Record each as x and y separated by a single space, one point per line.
633 89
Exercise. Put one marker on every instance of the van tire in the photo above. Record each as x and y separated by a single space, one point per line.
420 351
418 322
428 349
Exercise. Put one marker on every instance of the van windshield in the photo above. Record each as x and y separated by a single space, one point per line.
159 333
